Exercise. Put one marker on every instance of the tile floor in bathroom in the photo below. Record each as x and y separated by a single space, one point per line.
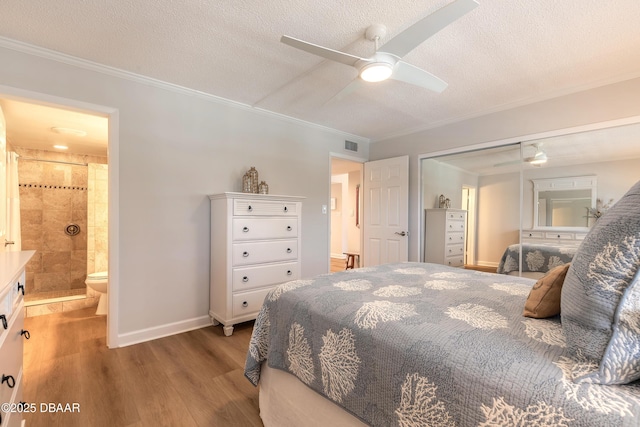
59 301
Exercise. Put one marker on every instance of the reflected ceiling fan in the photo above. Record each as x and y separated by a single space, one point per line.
386 62
539 157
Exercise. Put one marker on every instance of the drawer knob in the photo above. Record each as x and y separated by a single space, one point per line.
26 334
4 321
11 382
245 254
250 208
245 229
245 279
288 250
245 304
21 287
558 236
289 273
286 209
289 228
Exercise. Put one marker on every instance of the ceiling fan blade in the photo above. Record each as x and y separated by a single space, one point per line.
334 55
510 162
413 36
348 89
416 76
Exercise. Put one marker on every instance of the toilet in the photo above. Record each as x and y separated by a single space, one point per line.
98 282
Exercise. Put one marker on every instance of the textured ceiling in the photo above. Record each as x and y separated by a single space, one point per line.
503 53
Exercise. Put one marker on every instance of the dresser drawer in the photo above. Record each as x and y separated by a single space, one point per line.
11 356
451 250
454 237
454 225
248 253
456 215
264 208
533 235
454 261
14 419
248 303
559 236
264 228
17 290
255 277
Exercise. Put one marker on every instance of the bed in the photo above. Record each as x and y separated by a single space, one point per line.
539 258
416 344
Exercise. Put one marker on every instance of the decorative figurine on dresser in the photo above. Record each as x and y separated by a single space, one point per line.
445 234
255 245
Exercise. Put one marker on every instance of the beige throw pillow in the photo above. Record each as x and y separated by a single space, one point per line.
544 298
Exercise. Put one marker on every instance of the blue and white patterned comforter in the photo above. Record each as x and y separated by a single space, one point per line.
417 344
538 257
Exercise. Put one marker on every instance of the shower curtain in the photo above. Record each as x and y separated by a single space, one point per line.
13 203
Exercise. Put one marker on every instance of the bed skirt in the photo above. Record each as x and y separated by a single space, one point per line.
286 402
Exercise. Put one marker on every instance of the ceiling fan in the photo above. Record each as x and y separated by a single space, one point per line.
386 62
538 158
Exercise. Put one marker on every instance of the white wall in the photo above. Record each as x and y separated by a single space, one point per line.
175 147
498 216
611 102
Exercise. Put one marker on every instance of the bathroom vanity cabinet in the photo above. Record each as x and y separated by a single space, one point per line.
12 333
255 245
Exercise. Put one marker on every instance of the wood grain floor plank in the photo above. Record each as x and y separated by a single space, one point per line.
190 379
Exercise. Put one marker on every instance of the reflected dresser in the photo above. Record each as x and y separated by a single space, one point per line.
255 245
445 235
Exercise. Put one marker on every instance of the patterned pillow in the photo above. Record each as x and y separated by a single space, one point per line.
601 296
544 299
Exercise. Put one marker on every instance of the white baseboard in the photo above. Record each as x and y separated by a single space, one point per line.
341 256
161 331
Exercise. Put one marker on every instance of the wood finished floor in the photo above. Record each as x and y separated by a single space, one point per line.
191 379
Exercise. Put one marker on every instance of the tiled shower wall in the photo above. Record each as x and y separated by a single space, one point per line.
97 219
53 195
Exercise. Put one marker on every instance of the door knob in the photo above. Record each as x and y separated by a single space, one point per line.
402 233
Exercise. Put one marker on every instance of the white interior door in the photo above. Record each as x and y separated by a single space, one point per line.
386 211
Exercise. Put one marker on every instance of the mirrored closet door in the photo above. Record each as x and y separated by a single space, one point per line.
539 197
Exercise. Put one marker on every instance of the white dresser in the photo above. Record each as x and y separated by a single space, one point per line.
562 237
255 245
12 334
445 234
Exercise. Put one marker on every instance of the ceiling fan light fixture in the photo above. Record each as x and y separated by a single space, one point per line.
376 72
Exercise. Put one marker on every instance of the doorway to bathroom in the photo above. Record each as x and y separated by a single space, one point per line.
61 157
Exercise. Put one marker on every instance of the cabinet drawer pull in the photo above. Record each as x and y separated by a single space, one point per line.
245 304
250 208
245 279
289 228
21 287
4 321
245 254
288 250
286 209
245 229
11 382
289 272
26 334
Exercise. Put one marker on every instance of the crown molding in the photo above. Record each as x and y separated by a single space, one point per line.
138 78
